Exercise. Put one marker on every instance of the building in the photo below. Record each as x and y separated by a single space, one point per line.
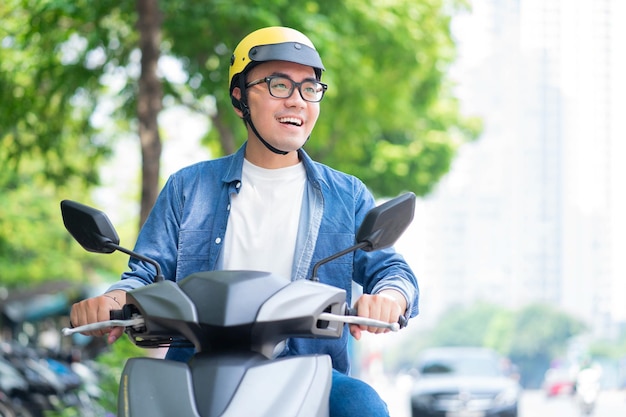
534 211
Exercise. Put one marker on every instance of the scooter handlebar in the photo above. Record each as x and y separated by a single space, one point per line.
117 315
122 318
118 318
138 321
402 321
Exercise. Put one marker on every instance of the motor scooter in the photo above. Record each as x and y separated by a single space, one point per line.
587 390
237 321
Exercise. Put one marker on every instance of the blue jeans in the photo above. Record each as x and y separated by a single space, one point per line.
351 397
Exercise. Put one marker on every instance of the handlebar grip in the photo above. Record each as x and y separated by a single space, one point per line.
402 321
117 314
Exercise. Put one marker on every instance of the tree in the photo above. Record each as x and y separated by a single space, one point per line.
51 66
34 245
466 326
541 333
149 102
77 75
389 116
396 124
54 87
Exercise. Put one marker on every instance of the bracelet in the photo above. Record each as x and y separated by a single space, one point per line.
112 298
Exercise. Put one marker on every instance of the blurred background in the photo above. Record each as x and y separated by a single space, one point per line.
504 116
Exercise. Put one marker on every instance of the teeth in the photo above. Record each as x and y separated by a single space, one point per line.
291 120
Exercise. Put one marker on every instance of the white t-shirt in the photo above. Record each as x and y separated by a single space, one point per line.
263 222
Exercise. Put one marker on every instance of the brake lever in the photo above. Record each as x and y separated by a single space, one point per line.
364 321
134 322
402 321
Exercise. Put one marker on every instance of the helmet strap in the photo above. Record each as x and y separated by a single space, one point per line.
243 106
248 119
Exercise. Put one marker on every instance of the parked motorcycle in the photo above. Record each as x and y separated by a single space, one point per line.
13 390
6 408
587 390
34 383
236 320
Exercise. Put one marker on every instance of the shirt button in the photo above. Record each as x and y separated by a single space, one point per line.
228 208
238 185
218 240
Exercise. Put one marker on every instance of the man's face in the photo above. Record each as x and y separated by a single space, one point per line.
285 123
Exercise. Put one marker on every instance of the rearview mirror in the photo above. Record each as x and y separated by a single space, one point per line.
90 227
383 225
94 231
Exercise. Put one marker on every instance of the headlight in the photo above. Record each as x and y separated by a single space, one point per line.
422 400
507 397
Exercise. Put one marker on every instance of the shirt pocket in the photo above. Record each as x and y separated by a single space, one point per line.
194 244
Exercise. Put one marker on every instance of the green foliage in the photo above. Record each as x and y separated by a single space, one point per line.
609 349
479 325
540 334
466 327
540 329
68 86
389 116
34 244
52 57
55 57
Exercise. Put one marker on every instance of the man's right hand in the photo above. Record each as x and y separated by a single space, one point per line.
97 309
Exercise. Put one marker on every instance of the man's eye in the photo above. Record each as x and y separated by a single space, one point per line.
280 86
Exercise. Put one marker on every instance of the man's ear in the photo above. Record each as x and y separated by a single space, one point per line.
236 100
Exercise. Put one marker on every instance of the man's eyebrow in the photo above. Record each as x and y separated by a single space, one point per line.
281 74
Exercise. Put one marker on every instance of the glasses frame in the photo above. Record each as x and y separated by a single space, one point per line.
294 85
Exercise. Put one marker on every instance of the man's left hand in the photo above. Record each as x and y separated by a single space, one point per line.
387 306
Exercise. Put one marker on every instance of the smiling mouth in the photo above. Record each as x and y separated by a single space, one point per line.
290 121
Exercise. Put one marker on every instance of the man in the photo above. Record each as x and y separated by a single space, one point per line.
270 207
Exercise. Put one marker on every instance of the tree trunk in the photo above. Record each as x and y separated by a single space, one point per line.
227 139
149 103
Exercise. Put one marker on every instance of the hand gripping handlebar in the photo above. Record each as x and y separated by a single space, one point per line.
118 320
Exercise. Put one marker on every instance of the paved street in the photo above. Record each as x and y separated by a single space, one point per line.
533 404
536 404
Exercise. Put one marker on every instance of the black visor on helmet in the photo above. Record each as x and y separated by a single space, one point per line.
287 51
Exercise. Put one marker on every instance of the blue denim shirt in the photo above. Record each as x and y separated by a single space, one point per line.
185 231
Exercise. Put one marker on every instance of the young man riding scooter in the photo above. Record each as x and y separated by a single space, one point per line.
269 207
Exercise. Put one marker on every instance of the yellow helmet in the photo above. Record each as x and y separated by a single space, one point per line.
274 43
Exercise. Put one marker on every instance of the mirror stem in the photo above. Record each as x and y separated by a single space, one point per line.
335 256
159 275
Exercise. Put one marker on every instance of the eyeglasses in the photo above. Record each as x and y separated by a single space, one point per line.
282 87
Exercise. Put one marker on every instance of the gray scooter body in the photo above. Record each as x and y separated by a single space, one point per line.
236 320
227 386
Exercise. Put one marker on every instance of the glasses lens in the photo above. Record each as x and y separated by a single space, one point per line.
281 87
311 91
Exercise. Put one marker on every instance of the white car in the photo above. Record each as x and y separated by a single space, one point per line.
464 382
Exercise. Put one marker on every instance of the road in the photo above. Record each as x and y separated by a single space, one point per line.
536 404
533 403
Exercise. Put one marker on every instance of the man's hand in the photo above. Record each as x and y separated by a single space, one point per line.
388 306
97 309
